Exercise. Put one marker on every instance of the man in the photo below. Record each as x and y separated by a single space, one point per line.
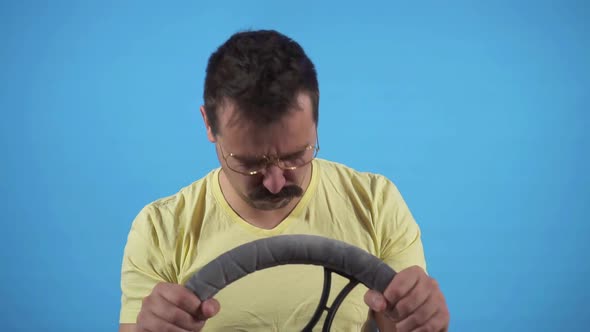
261 112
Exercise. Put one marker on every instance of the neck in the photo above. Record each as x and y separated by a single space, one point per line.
266 219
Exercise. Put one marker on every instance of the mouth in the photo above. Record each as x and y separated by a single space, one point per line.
270 203
274 199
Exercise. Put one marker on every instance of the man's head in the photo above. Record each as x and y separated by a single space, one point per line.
261 72
261 103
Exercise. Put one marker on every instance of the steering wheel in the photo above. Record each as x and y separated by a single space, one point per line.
335 256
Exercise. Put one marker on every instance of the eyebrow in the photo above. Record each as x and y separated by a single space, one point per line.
255 159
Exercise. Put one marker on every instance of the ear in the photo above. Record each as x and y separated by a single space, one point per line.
210 134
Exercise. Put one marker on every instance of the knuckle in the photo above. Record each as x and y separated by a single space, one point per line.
415 268
199 326
430 328
413 320
433 283
176 297
166 327
177 316
169 329
447 316
147 301
159 287
141 317
422 316
395 293
403 308
427 328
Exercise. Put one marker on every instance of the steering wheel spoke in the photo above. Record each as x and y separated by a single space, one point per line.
322 305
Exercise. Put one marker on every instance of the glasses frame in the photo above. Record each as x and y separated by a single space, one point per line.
271 160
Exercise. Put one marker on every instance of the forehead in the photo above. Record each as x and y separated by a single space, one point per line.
293 131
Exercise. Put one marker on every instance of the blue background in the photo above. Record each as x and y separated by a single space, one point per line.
478 112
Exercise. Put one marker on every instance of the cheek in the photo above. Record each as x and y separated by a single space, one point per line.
250 182
294 177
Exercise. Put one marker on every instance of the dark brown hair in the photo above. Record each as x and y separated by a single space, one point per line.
261 72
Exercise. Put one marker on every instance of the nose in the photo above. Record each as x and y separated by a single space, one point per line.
274 179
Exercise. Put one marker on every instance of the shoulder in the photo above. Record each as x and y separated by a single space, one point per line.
163 218
342 175
186 196
373 192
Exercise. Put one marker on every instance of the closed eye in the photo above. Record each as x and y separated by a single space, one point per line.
251 162
294 156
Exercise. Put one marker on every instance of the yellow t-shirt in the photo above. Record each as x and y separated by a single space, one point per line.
174 237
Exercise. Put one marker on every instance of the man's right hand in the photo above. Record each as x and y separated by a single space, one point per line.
174 308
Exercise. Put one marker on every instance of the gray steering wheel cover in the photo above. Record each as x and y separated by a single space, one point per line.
336 255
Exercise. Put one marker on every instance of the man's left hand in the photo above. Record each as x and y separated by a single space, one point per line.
412 302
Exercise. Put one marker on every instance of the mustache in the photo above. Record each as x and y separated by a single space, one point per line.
262 194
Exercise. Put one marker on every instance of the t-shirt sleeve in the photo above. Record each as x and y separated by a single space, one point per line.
144 264
399 234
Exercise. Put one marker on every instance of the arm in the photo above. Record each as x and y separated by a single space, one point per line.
413 299
144 264
172 307
399 237
152 300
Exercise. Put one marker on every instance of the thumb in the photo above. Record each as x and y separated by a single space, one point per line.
375 300
208 309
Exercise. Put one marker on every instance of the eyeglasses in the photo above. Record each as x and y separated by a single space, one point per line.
253 166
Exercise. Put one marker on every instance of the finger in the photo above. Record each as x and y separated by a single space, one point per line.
375 300
416 297
437 323
402 284
180 296
420 316
148 322
208 309
169 312
440 321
